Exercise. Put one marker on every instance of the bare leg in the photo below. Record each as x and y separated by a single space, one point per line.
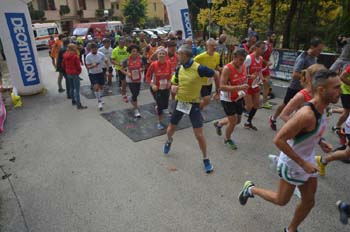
204 102
232 121
338 155
281 197
343 117
198 132
266 90
306 203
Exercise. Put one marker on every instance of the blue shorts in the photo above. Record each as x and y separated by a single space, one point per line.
195 116
206 90
97 79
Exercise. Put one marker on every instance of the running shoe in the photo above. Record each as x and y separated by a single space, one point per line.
208 166
81 107
100 106
244 194
249 125
286 230
137 113
230 144
61 90
125 99
273 159
344 210
273 123
160 126
218 128
167 146
321 166
267 105
246 114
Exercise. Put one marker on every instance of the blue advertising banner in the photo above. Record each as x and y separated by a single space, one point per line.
22 46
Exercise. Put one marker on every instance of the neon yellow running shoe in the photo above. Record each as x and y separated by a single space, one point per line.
321 166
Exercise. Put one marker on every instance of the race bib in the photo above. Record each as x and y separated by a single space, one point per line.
184 107
135 75
210 81
163 84
256 82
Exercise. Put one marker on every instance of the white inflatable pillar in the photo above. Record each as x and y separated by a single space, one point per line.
179 16
18 42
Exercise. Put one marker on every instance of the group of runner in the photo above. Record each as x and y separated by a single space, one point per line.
173 71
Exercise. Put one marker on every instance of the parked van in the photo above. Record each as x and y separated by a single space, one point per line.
96 29
43 31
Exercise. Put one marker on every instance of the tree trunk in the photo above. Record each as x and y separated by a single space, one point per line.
273 15
288 23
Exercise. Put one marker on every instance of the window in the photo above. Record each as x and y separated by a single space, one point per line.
51 5
82 4
101 4
46 5
154 7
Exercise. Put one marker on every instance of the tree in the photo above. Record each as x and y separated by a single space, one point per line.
288 23
135 13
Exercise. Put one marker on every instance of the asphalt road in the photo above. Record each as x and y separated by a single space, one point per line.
74 171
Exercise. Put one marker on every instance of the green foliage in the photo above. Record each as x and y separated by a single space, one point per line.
36 14
134 12
153 22
64 9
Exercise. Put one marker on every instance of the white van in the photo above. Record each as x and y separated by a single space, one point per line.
43 31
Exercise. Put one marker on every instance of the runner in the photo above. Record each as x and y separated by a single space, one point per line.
222 49
297 140
303 61
271 38
187 84
172 58
211 59
252 39
345 98
232 90
119 54
132 69
159 76
344 59
94 62
303 95
253 65
107 51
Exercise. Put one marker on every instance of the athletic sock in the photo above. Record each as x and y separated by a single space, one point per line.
97 94
251 114
250 191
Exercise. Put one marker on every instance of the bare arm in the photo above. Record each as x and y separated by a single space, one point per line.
303 121
293 105
296 75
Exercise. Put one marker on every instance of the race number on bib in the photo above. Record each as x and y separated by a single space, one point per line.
163 84
135 75
184 107
256 82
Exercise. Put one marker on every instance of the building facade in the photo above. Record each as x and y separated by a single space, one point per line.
69 12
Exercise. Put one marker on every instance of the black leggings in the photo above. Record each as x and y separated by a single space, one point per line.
135 90
162 99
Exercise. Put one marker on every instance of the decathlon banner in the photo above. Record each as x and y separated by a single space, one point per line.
179 16
17 38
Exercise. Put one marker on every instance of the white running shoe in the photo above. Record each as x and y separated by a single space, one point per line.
100 106
137 113
273 160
